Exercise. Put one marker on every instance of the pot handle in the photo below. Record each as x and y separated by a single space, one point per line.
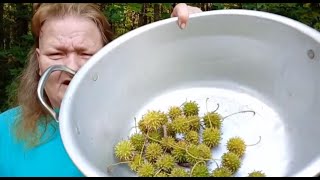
42 82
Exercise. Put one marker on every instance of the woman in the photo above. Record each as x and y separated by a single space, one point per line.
68 34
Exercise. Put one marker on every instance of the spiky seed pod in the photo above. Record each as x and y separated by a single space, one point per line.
179 152
204 152
174 111
194 123
154 137
257 174
136 162
193 154
192 137
152 120
221 172
178 172
211 137
153 152
167 143
190 108
180 125
212 119
124 150
137 140
165 162
170 131
231 161
200 170
146 170
237 146
161 174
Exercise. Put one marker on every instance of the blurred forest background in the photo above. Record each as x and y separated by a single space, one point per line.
16 39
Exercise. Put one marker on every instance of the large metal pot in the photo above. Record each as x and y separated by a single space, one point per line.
240 59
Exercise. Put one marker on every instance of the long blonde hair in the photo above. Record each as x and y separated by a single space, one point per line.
26 126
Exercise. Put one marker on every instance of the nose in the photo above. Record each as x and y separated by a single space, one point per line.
73 62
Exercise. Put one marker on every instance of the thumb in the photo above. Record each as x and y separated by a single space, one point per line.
181 11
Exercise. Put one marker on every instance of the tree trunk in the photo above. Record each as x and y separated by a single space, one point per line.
22 22
145 17
141 15
7 36
133 20
156 12
202 6
240 5
1 27
7 8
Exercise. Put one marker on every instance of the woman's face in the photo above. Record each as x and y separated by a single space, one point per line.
68 41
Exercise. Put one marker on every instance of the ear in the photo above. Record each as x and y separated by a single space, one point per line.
38 59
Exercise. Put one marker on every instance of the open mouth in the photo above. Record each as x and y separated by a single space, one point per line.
66 82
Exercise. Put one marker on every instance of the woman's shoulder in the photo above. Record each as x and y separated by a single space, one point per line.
15 160
7 120
9 115
10 112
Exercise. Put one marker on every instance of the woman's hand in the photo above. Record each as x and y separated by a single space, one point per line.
182 11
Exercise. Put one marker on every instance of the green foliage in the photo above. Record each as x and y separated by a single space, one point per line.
115 13
135 7
15 62
307 13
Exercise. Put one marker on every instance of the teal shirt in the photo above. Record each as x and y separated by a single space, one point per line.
49 159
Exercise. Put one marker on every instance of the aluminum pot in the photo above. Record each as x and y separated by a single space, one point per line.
241 60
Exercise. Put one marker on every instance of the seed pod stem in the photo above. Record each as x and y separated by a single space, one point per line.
157 172
256 142
195 166
109 168
208 112
164 131
245 111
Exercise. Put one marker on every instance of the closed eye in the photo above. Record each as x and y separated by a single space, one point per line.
55 56
86 55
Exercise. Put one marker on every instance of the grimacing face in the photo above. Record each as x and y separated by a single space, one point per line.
68 41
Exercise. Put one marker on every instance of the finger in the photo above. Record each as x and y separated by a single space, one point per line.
181 11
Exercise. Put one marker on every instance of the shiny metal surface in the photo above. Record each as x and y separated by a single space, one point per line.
243 60
42 83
